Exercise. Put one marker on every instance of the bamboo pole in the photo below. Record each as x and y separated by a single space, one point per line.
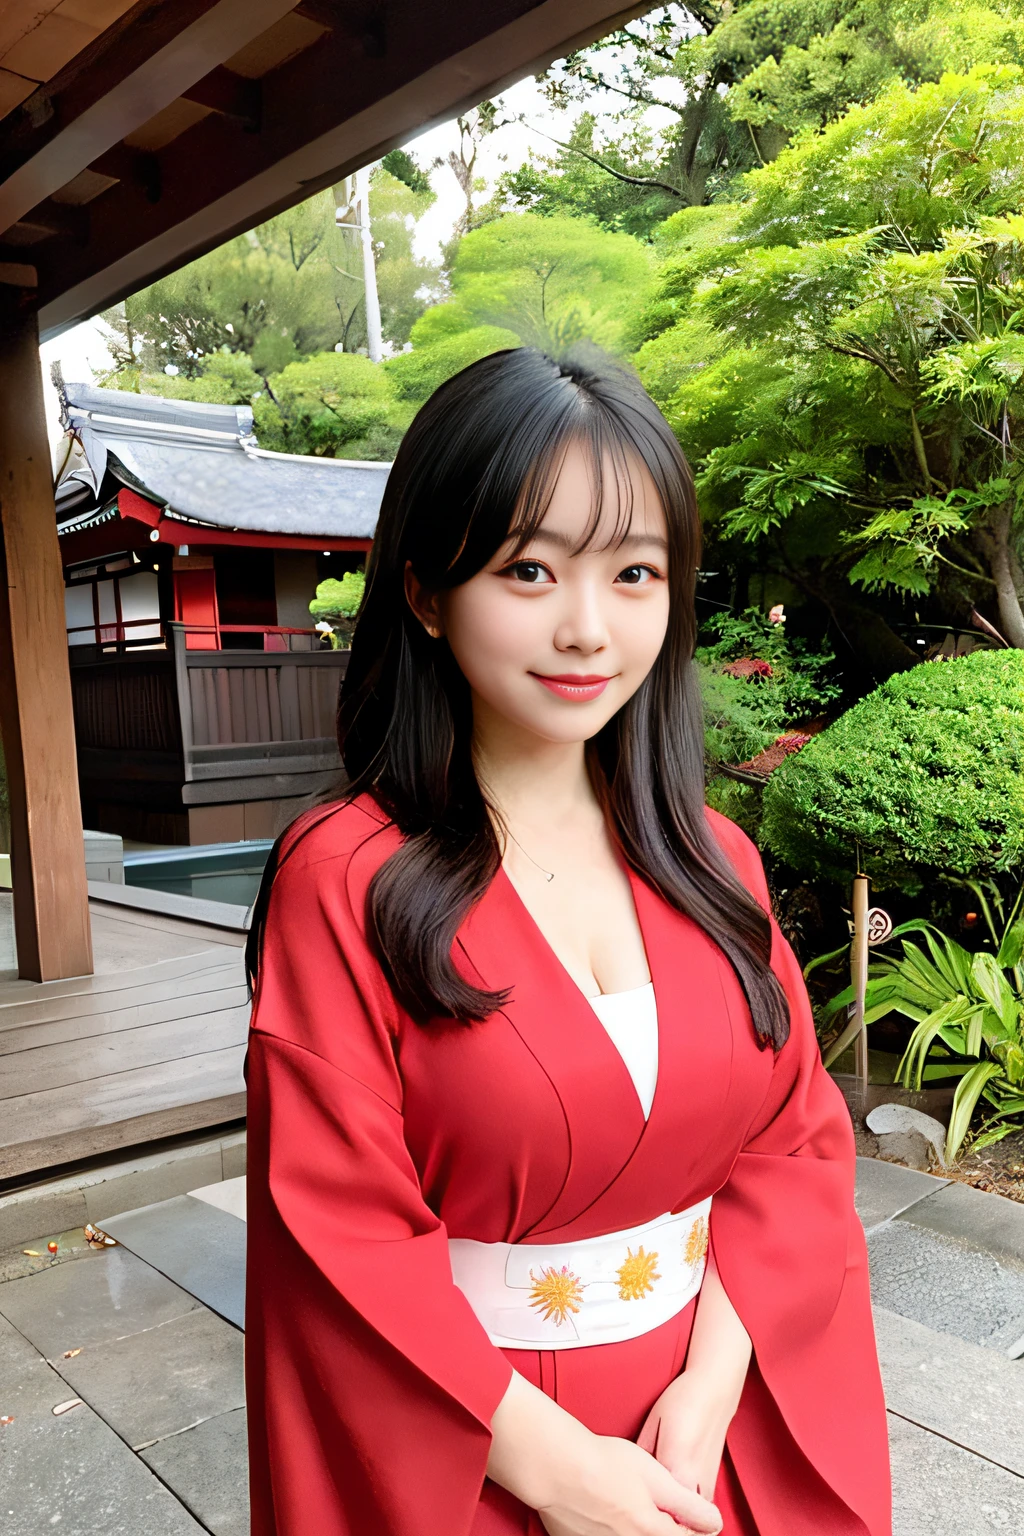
859 952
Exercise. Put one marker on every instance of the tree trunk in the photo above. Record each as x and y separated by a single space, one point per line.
996 541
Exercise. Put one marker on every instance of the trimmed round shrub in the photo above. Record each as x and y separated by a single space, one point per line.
925 777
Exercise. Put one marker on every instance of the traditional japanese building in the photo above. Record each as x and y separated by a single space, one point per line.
204 699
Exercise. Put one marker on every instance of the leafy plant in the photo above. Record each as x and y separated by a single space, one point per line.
968 1012
925 776
795 682
339 599
336 605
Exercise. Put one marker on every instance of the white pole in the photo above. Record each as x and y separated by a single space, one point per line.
362 200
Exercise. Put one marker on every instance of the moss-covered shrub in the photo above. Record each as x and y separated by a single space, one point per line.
925 776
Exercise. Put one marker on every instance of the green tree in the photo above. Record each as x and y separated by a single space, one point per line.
621 184
289 289
752 75
841 353
333 404
550 281
416 374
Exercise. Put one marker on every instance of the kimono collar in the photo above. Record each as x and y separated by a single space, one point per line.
615 1156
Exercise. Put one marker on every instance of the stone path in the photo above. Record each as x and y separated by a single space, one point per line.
148 1336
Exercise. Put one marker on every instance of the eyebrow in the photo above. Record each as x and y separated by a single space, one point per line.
628 540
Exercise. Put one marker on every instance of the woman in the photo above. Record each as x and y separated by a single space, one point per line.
550 1199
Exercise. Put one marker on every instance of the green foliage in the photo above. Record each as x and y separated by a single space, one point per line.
798 685
228 378
401 165
744 715
416 374
579 181
336 605
921 161
804 63
284 291
968 1013
324 404
405 283
841 354
339 599
923 778
550 281
334 403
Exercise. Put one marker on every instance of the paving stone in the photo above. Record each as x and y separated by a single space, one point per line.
193 1243
88 1301
973 1396
208 1469
988 1221
71 1473
885 1189
15 1352
228 1195
946 1284
163 1380
941 1490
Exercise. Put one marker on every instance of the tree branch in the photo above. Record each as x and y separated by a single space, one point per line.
633 181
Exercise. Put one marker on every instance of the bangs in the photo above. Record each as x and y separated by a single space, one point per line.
616 440
610 457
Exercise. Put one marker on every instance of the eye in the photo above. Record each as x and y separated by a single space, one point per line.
532 572
637 575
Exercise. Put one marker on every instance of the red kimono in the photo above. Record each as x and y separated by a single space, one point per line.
370 1382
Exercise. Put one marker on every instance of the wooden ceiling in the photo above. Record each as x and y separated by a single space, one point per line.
135 137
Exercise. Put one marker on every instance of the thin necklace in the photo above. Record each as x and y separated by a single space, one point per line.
548 874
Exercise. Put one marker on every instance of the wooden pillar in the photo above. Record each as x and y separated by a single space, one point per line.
51 908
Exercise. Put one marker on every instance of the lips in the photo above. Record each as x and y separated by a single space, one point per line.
577 687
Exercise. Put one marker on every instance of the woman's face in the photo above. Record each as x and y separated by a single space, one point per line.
555 642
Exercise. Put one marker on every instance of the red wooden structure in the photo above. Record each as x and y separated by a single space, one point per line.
203 697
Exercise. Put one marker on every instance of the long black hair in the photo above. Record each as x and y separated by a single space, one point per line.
476 467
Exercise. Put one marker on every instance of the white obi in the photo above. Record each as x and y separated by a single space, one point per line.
597 1291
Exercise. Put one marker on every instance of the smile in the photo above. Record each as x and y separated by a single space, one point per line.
570 685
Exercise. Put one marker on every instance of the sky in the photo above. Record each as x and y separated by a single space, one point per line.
82 350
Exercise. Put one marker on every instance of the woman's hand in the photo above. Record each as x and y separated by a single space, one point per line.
687 1426
583 1484
686 1431
624 1492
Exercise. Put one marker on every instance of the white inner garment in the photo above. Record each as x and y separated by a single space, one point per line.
631 1019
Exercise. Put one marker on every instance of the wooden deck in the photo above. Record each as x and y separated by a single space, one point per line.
149 1046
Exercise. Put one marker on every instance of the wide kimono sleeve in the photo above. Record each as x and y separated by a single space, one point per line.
370 1382
809 1442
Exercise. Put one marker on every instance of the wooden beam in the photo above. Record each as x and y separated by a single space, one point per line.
343 102
51 909
230 94
155 53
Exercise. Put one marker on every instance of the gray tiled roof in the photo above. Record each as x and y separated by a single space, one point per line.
203 462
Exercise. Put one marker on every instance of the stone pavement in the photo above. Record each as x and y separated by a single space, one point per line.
147 1336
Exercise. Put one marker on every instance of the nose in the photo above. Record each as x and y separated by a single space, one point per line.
582 626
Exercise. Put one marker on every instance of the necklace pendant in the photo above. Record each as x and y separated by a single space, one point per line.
548 877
